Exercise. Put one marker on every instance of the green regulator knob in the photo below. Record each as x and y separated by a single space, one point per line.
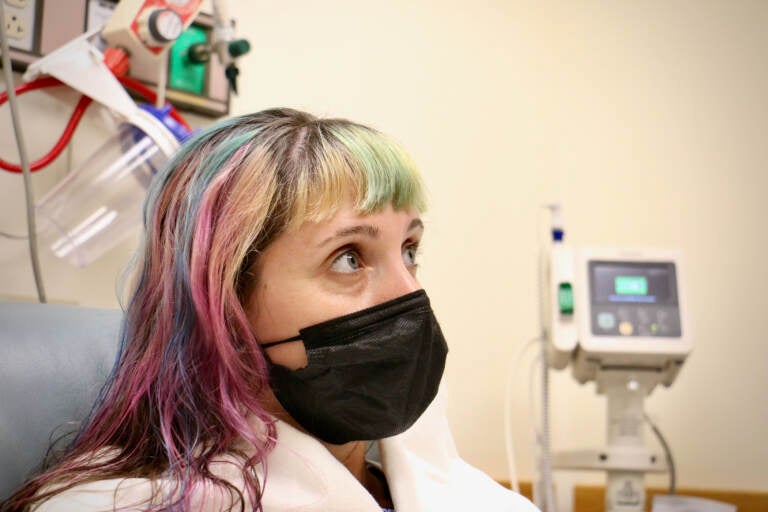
238 48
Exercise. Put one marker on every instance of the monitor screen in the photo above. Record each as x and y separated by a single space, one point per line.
634 299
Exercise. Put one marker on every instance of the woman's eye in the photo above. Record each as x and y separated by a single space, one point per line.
346 263
409 254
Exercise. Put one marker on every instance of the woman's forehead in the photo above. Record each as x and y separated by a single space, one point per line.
348 220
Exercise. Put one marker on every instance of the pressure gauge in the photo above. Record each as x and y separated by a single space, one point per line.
162 26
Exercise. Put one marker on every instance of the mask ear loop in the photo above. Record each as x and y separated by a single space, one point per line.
275 343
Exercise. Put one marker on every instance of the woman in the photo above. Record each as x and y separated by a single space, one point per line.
276 324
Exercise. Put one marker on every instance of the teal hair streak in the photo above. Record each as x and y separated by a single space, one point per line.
389 174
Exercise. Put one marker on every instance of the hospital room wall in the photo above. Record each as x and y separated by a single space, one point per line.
647 120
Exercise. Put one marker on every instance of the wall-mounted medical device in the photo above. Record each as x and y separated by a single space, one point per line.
125 43
202 85
618 317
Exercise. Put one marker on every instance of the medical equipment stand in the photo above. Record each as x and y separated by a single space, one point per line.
625 460
615 316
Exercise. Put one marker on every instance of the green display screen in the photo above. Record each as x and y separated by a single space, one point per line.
631 285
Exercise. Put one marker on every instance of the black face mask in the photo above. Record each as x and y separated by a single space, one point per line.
371 374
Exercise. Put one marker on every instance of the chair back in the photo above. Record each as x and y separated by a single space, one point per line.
54 359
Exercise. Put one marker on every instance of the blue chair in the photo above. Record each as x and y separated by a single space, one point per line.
54 359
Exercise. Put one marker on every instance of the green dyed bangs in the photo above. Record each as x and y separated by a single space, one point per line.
349 161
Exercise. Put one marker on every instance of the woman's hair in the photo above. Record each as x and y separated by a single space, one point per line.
185 389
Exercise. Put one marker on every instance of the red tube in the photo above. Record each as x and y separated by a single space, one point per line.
40 83
66 135
118 63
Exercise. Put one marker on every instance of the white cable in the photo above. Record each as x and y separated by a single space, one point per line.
509 442
667 454
535 434
24 160
162 79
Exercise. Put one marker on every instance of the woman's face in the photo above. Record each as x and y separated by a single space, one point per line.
324 270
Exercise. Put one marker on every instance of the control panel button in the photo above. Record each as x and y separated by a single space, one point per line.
626 328
606 320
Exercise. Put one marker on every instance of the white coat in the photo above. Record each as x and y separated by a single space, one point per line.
422 467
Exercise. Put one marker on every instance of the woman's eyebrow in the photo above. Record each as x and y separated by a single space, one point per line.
367 230
361 229
415 223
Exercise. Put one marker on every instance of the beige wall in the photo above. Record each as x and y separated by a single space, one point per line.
648 120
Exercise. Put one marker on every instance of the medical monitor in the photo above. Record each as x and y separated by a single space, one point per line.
630 311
